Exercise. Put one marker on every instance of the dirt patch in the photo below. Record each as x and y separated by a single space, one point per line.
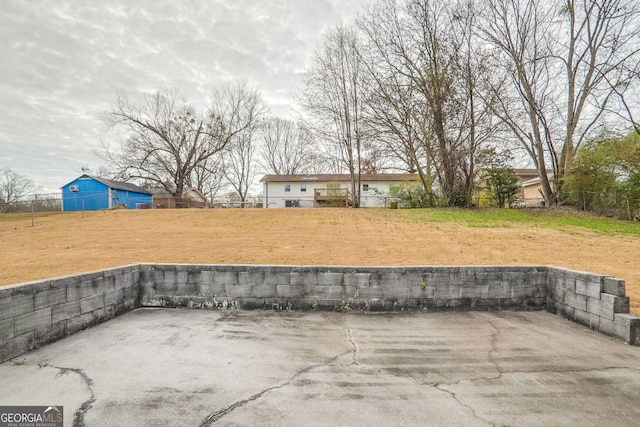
68 243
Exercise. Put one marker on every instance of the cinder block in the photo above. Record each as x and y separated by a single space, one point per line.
421 291
627 319
7 329
522 289
602 308
66 311
264 291
551 305
226 278
182 276
165 287
437 278
365 293
566 282
200 277
236 291
211 289
50 333
620 304
49 297
498 288
624 326
184 288
576 301
307 278
78 323
34 320
147 277
462 277
516 278
565 311
130 292
288 291
252 276
383 278
329 279
588 319
87 288
474 291
16 346
16 305
591 288
123 279
92 303
113 297
328 292
125 306
614 286
356 280
447 291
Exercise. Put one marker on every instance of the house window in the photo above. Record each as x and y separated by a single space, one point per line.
365 187
303 188
287 188
290 203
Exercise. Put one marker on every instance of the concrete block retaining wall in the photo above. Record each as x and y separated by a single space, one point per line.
364 288
37 313
34 314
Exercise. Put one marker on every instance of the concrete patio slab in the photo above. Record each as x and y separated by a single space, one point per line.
167 367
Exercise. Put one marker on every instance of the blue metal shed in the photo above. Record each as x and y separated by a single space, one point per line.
91 193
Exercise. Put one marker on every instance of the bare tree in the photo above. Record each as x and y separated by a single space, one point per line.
287 147
426 101
333 96
13 188
167 141
238 163
565 62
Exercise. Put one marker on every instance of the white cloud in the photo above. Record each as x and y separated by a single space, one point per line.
63 61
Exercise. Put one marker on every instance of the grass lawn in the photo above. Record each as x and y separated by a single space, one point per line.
67 243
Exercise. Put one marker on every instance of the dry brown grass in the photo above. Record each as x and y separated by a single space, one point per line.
67 243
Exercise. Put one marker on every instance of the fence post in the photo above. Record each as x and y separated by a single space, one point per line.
33 210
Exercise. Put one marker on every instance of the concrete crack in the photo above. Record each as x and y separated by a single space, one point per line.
494 345
539 371
464 405
78 418
354 352
219 414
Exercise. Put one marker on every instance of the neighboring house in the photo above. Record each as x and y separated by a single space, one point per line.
191 198
532 191
525 175
90 193
318 190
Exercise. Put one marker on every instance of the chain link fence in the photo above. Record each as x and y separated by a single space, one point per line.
33 203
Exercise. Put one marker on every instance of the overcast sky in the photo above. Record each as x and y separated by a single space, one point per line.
62 62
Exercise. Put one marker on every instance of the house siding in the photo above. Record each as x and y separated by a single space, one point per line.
93 195
275 195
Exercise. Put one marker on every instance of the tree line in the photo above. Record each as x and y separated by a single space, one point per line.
446 89
451 91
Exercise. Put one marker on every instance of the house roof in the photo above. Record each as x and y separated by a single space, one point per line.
520 172
535 180
117 185
378 177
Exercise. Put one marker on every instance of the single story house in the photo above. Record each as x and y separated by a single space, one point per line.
191 198
91 193
318 190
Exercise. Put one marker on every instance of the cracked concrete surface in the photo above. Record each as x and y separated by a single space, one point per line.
166 367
